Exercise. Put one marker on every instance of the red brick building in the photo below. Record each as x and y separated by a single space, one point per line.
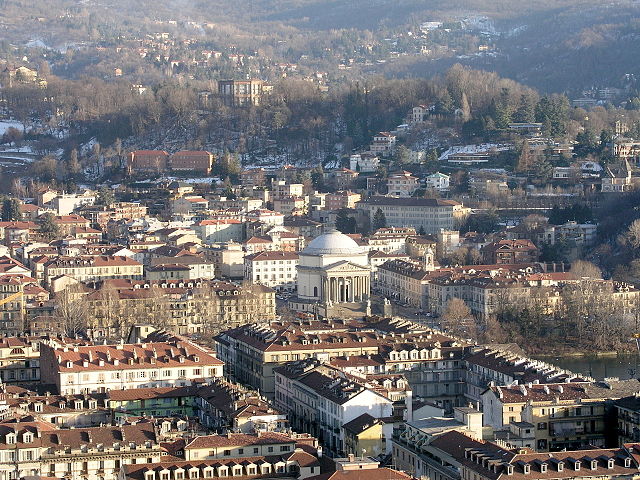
190 160
147 161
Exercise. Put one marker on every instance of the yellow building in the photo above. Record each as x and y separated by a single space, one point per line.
364 435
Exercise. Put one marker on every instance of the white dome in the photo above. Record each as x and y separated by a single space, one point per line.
332 243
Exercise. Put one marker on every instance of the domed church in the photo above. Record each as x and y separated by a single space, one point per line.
333 277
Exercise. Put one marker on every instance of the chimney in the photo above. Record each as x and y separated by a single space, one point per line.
352 457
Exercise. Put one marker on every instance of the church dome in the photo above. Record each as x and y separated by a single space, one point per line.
333 243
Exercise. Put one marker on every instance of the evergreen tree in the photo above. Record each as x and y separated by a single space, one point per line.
105 196
421 230
379 220
345 223
48 227
10 210
525 113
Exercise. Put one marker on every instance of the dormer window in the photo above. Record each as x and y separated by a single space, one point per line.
560 466
37 407
11 438
627 462
610 462
577 465
526 468
594 464
69 364
509 469
543 468
27 437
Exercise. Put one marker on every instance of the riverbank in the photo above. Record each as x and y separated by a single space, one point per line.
599 366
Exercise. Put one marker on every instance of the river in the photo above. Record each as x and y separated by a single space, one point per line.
622 366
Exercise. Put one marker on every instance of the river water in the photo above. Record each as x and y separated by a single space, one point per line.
623 366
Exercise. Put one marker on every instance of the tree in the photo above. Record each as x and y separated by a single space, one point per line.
402 155
524 160
11 210
70 309
345 223
584 269
379 220
465 107
48 226
73 164
525 112
105 196
421 230
12 135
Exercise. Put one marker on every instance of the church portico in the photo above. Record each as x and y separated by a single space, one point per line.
333 275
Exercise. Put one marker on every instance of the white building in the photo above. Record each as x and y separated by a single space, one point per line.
214 231
333 271
438 181
364 162
431 214
277 270
101 368
68 202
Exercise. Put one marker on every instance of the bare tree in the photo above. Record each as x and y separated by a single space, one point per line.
71 310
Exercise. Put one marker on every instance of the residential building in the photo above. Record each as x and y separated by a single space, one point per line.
510 252
570 415
215 231
402 184
225 405
429 213
12 306
152 402
628 416
241 92
437 181
254 177
617 180
40 449
66 203
125 366
90 268
341 199
364 163
321 400
277 270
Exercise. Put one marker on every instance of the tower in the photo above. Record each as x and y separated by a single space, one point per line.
428 260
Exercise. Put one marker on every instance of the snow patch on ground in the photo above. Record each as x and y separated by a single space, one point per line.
5 124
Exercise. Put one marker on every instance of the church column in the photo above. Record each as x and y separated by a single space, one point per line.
333 289
355 289
349 284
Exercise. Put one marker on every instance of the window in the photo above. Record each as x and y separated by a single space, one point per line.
270 449
285 448
255 450
227 453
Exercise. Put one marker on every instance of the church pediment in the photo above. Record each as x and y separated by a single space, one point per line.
345 266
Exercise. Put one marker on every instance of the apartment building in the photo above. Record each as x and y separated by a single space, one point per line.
431 362
85 369
12 305
570 415
402 184
456 455
510 252
429 213
93 268
321 399
341 199
274 269
35 448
